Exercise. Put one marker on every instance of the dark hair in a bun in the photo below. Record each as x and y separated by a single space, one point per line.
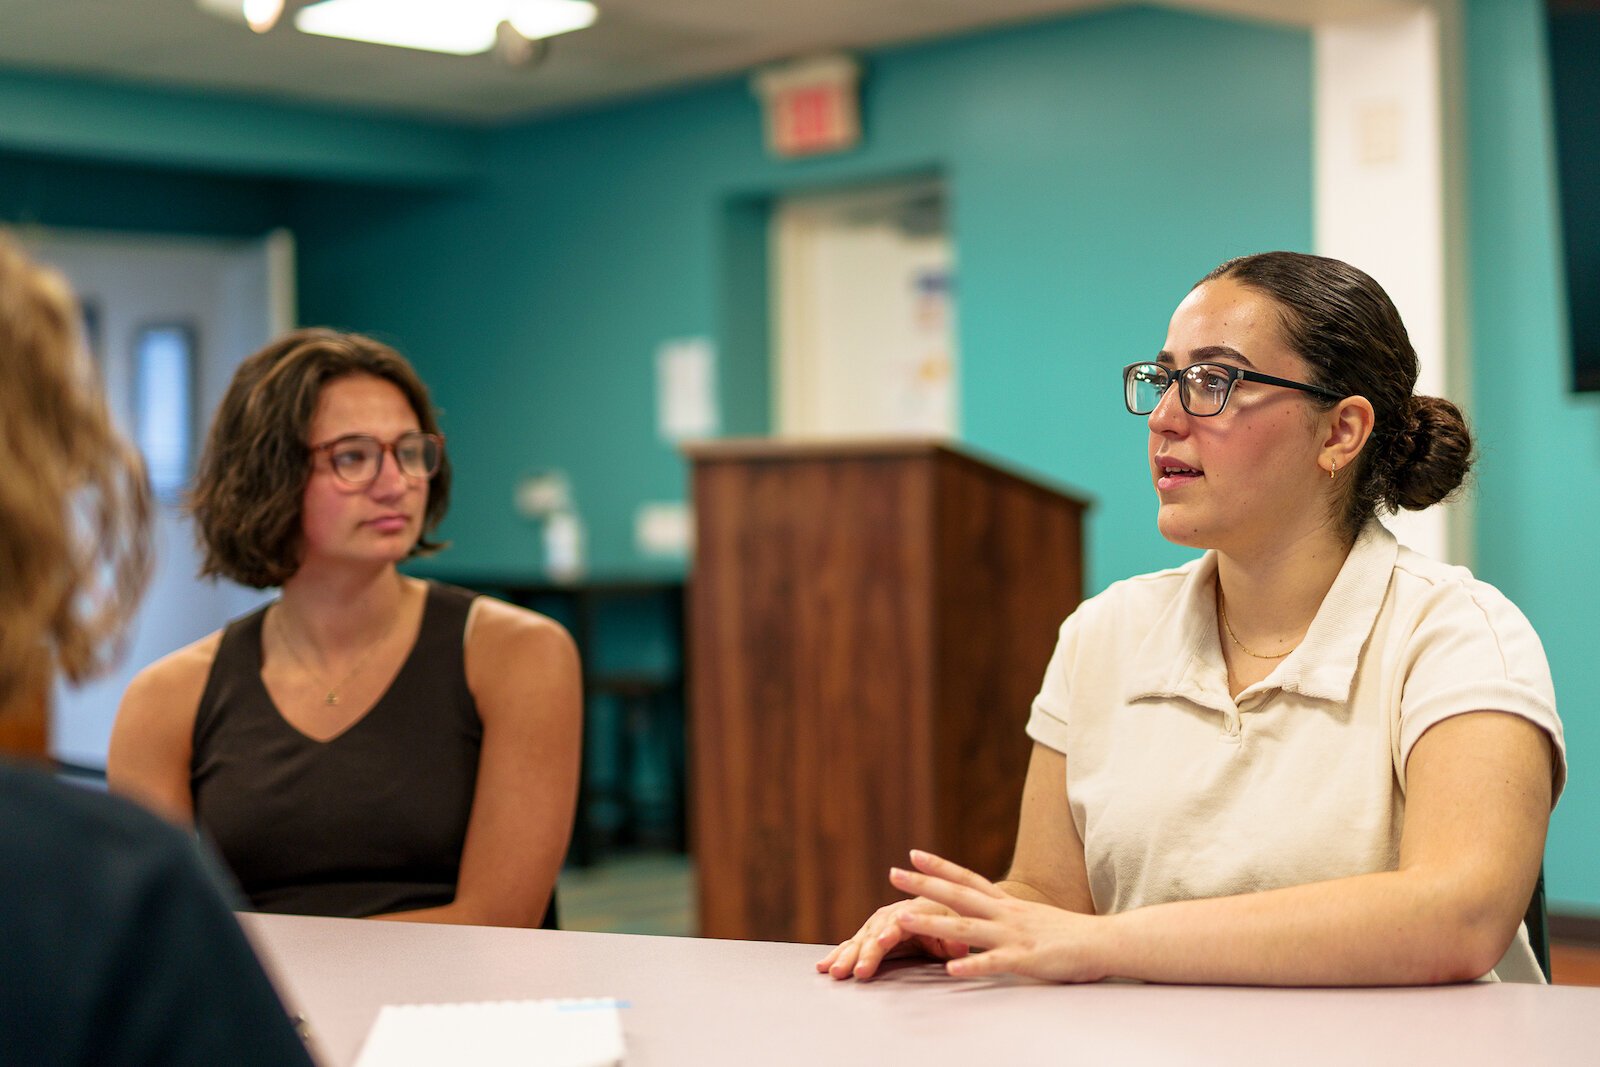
1342 323
1437 453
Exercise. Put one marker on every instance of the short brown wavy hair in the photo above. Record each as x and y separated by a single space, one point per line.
250 489
74 501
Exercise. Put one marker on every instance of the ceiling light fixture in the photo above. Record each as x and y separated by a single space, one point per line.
460 27
259 15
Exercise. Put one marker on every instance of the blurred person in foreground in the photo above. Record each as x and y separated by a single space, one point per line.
118 947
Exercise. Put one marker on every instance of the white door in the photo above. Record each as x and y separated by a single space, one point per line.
864 315
148 299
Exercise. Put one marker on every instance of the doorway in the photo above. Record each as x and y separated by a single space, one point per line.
167 320
863 305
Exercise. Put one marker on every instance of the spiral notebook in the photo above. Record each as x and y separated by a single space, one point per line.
547 1033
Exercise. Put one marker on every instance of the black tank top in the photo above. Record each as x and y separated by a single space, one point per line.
368 822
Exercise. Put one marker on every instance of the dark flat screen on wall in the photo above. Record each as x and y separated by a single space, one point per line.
1575 85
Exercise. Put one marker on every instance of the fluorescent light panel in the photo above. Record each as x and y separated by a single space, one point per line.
260 14
460 27
546 18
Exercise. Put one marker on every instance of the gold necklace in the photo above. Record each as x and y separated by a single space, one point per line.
333 690
1222 609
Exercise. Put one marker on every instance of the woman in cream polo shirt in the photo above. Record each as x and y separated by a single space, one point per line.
1310 757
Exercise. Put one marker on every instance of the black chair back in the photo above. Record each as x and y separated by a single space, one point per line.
1538 926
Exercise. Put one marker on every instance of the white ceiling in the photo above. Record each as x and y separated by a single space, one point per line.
636 46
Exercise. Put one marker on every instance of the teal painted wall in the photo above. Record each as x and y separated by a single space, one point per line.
1536 508
1091 184
127 123
37 190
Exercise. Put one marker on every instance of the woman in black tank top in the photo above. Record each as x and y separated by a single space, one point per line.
368 744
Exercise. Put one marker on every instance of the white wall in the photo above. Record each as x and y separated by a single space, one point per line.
1384 133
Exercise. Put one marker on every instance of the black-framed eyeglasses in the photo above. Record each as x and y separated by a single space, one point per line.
357 458
1203 388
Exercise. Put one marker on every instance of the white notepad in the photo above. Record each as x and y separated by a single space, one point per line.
547 1033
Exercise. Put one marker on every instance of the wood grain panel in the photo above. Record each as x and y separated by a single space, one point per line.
841 710
1009 571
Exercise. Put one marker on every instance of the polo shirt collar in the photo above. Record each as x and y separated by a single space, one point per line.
1324 666
1180 656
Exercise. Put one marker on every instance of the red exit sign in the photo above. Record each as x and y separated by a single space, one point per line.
812 106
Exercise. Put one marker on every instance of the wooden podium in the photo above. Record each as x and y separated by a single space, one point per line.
868 625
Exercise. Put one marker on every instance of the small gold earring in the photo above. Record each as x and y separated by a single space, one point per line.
1333 470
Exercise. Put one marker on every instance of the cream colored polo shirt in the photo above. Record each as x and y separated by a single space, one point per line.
1180 792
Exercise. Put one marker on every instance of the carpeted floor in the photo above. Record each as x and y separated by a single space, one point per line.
637 893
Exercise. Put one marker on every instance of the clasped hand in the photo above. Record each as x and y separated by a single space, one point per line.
955 910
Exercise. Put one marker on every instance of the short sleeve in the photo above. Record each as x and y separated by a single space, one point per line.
1047 722
1472 650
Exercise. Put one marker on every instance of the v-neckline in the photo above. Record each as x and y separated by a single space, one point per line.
383 695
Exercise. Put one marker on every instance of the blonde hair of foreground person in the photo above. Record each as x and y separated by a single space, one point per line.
119 948
74 544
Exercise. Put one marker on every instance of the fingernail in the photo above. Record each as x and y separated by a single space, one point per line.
898 872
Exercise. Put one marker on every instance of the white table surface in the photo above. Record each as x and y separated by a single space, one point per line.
694 1001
